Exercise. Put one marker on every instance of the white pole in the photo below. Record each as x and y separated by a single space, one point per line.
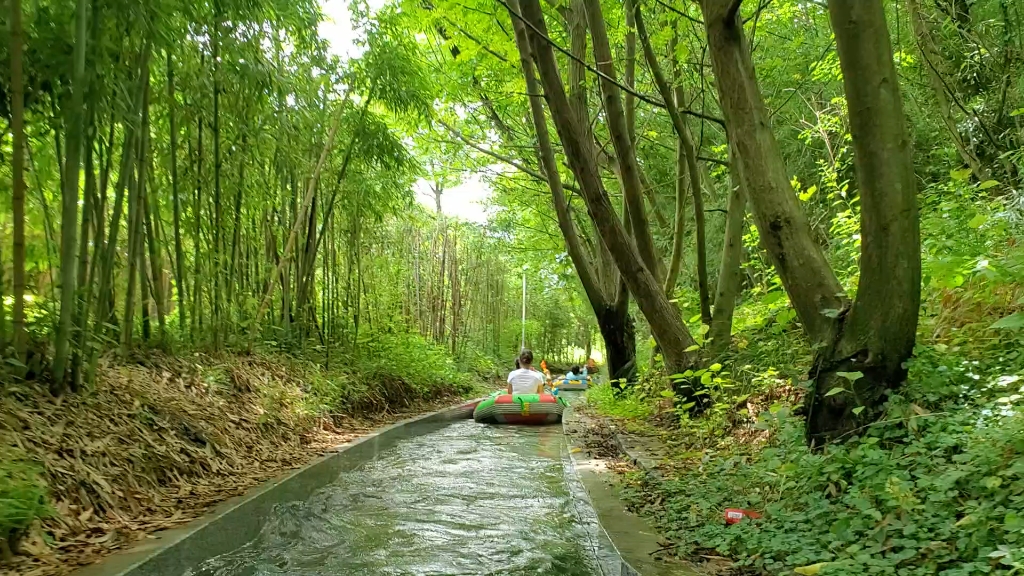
522 341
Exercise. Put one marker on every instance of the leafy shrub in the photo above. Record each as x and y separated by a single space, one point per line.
391 371
480 365
622 405
936 487
22 499
925 494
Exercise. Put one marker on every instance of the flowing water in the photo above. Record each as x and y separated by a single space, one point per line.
463 499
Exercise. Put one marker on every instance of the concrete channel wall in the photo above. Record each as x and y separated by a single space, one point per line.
239 520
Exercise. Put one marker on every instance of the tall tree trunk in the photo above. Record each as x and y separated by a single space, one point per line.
730 275
629 169
92 219
933 64
666 325
358 252
218 272
689 152
90 209
125 178
679 221
197 218
145 286
233 269
151 219
783 227
135 214
128 320
456 293
75 123
679 224
877 336
613 321
179 253
441 270
20 336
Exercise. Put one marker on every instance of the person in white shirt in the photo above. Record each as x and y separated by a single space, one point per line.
525 379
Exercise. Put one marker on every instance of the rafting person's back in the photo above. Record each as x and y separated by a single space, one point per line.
525 379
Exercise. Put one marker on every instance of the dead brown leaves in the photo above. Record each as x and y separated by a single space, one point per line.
973 306
154 446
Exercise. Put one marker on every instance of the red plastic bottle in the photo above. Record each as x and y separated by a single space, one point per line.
735 515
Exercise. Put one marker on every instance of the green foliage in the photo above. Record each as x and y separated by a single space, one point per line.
391 370
484 367
23 496
635 406
425 367
936 486
920 492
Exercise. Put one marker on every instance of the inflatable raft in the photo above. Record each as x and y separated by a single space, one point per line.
520 409
570 384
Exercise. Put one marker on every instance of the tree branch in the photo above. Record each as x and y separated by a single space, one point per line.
730 15
643 97
679 12
505 159
476 41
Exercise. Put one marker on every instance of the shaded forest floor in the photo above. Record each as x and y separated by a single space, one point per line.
935 487
160 440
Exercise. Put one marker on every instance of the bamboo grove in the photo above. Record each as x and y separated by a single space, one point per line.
210 175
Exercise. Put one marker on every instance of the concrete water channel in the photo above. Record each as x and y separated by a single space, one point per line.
432 496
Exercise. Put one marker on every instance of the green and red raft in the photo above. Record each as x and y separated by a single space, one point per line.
520 409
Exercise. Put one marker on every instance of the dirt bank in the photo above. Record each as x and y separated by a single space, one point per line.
158 442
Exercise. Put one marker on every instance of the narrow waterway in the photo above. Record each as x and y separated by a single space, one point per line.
462 499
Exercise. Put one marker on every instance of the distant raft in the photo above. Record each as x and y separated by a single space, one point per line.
570 384
520 409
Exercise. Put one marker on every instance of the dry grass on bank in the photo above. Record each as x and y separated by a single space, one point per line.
156 445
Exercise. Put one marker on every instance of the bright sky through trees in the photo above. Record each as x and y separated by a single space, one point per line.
467 200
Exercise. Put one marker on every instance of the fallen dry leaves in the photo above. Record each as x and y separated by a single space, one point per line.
155 446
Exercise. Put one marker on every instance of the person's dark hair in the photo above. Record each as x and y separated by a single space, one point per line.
517 364
576 369
526 357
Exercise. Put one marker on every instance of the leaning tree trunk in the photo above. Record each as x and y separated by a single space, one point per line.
625 152
678 223
877 336
933 65
783 227
614 321
666 324
688 150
